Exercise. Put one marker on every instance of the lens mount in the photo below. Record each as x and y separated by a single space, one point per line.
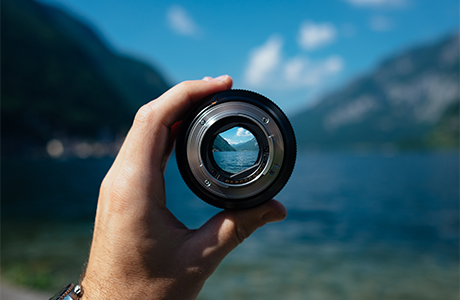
273 136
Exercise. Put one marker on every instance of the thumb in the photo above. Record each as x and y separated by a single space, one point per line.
229 228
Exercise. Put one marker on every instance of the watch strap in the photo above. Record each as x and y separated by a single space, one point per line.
70 292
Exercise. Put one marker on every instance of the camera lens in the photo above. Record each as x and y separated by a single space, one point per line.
235 149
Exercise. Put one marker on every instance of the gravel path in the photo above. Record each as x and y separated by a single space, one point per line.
8 292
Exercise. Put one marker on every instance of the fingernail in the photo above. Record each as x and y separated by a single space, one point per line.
217 79
220 78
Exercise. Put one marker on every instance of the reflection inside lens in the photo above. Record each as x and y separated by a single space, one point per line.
235 150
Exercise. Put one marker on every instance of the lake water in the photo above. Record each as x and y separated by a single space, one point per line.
358 227
235 161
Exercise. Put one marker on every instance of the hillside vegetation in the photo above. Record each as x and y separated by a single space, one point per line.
220 144
59 79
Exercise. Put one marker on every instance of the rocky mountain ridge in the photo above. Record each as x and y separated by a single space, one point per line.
402 103
250 145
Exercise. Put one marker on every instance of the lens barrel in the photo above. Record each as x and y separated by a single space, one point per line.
199 138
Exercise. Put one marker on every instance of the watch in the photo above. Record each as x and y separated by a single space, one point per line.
70 292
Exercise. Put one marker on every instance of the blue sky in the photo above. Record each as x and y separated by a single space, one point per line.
290 51
237 135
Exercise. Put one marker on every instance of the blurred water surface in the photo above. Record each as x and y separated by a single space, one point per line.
235 161
358 227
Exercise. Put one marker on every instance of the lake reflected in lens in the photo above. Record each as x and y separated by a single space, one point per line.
235 150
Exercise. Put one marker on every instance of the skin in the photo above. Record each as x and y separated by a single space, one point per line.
139 249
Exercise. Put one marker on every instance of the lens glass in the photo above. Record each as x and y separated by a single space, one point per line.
235 150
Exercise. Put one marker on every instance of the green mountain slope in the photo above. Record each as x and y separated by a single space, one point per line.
60 79
446 133
221 145
250 145
403 103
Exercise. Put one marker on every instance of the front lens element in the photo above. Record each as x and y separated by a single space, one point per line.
235 149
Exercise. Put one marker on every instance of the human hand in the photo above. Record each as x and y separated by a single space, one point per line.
139 249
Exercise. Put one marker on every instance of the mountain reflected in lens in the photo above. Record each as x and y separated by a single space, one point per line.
235 150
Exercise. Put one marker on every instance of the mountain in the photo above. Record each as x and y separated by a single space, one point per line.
446 133
250 145
411 100
220 144
59 78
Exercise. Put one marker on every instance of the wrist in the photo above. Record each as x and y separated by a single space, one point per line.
92 290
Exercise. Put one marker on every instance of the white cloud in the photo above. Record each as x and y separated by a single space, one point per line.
315 35
243 132
377 3
294 67
263 60
269 68
181 22
301 72
380 23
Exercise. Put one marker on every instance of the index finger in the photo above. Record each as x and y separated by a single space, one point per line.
173 104
148 137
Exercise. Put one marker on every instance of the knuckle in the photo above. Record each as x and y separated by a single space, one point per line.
245 228
185 85
186 88
116 195
144 114
105 186
242 232
198 272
